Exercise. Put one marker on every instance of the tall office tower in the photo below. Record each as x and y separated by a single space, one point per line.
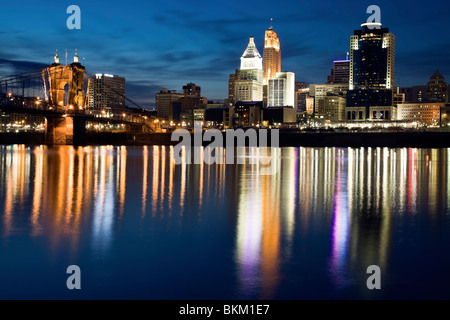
340 72
271 56
249 87
372 61
164 103
437 88
106 92
281 90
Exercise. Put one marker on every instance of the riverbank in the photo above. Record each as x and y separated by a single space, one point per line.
423 139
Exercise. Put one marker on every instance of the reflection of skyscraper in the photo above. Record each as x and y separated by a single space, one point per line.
372 61
271 56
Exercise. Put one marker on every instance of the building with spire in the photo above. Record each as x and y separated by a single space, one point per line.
371 78
271 55
249 86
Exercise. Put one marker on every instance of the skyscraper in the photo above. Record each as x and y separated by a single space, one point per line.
271 55
249 87
106 93
281 90
372 63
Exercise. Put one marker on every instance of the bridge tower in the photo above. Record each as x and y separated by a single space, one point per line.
66 91
68 78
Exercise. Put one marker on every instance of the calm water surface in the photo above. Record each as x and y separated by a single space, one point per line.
141 227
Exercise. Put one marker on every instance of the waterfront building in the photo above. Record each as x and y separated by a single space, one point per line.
249 87
320 91
106 94
281 90
334 108
247 113
164 103
426 113
372 67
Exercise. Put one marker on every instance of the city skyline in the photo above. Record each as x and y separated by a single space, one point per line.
206 56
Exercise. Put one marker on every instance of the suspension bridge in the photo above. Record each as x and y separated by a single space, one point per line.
59 95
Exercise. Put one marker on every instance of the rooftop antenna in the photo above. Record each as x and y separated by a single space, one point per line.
271 24
348 55
66 57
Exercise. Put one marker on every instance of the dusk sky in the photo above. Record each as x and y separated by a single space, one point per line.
166 44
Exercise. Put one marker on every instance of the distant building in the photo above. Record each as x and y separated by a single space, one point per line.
279 115
300 99
320 91
232 87
106 93
249 87
164 103
372 63
437 88
415 93
334 108
398 98
220 117
192 90
310 105
340 72
281 90
247 113
428 113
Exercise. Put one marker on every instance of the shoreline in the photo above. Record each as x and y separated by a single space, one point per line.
420 139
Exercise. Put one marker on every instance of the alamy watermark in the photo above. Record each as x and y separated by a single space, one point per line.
74 21
374 21
188 151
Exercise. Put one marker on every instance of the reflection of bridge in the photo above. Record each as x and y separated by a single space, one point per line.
60 95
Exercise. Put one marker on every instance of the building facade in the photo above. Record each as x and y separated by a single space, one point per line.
320 91
164 103
106 93
437 88
249 87
271 56
427 113
281 90
340 72
372 67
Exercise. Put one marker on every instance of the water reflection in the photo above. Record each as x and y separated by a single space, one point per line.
69 195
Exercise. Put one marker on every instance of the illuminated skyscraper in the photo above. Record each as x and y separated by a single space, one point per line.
249 87
271 56
372 62
106 92
281 90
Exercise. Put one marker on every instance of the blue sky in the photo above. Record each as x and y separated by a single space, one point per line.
166 44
